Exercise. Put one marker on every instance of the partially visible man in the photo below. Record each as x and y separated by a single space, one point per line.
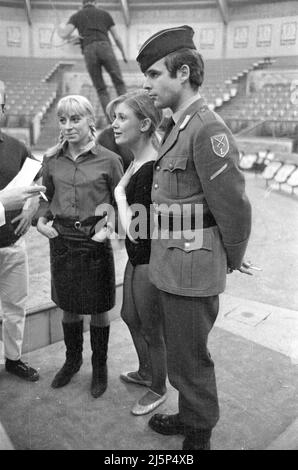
13 256
93 25
196 172
15 198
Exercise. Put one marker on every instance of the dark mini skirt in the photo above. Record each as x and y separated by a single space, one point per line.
82 273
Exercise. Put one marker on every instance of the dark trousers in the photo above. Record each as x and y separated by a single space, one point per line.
100 54
187 323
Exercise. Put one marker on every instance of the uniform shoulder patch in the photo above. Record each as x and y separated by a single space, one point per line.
220 144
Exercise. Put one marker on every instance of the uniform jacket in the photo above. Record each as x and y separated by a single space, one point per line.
197 171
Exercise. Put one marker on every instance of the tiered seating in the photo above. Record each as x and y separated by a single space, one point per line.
220 84
273 105
28 92
278 169
221 77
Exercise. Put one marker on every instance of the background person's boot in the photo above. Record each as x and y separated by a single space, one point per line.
99 337
73 338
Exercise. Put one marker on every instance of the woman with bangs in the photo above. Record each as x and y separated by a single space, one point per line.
134 121
80 177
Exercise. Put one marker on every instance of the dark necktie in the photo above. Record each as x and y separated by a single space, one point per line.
169 127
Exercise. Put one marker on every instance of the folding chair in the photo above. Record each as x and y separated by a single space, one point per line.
247 161
271 170
283 173
293 180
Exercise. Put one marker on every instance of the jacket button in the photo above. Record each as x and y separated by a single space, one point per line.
157 168
155 186
187 245
171 165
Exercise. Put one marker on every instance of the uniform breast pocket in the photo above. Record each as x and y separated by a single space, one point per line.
173 169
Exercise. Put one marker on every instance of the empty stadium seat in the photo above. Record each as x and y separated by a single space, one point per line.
284 172
271 170
247 161
292 181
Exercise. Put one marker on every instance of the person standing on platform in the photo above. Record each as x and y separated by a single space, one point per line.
197 182
80 177
15 221
93 25
135 120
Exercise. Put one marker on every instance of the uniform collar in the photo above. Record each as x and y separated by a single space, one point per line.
193 105
176 116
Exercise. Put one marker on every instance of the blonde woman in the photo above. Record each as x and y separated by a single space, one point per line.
80 177
134 121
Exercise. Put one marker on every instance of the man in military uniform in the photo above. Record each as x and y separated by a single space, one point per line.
196 170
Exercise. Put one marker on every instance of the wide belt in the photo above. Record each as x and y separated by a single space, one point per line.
173 223
77 224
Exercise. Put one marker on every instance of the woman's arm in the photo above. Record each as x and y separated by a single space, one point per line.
125 213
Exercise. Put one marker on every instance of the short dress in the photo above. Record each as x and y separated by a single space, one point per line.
82 270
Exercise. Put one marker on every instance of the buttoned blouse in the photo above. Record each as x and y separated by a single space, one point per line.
75 188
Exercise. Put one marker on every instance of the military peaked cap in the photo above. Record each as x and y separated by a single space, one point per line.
163 43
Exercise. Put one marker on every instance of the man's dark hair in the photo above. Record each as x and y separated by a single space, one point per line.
191 57
88 1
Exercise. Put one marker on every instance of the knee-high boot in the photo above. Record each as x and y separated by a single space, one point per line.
99 337
73 338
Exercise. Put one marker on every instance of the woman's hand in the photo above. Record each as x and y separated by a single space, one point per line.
102 234
45 229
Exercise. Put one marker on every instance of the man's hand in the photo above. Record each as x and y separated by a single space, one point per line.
25 219
245 268
15 198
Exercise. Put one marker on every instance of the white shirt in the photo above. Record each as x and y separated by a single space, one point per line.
2 214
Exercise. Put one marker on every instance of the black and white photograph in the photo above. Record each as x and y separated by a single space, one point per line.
148 174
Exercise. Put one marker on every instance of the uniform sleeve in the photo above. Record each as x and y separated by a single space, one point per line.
2 215
216 160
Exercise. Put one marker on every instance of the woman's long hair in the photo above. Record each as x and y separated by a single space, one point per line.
143 107
67 106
